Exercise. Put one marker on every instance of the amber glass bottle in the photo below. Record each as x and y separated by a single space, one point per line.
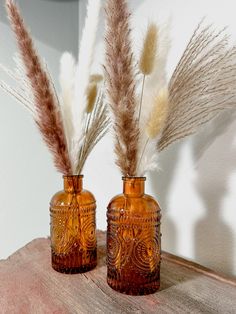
133 240
73 228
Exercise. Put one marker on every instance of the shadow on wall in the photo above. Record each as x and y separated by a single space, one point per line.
134 4
54 23
212 236
161 184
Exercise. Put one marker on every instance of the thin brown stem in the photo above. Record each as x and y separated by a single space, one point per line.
144 148
141 98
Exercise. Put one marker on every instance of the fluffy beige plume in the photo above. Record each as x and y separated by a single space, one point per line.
148 58
158 115
67 82
91 97
149 51
96 78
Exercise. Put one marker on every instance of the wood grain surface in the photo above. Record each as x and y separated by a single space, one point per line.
28 284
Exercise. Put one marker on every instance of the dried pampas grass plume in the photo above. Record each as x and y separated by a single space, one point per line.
121 85
91 97
158 115
97 126
149 51
35 90
202 85
21 93
48 115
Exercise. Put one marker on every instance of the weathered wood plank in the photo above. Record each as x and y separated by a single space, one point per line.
28 284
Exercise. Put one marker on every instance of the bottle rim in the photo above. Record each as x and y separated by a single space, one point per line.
73 176
124 178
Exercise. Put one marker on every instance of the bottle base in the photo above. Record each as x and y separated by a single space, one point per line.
74 263
73 270
134 289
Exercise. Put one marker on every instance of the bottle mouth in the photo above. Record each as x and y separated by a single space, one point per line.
73 176
133 186
134 178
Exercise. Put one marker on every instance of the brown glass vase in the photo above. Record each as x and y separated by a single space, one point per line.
73 228
133 240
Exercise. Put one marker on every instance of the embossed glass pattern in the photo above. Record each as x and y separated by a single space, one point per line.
133 240
73 228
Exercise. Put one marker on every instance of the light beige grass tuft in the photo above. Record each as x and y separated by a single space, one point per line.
149 51
92 92
158 115
96 78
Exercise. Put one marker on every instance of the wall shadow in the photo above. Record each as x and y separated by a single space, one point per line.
161 184
212 236
59 28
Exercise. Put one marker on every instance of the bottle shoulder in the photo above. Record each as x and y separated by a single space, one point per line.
63 198
117 199
122 201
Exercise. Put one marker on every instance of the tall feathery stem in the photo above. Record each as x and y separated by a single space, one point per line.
48 116
121 87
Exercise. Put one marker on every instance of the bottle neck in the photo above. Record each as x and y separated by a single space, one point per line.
73 184
134 186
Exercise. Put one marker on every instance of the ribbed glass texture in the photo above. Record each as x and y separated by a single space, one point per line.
73 228
133 240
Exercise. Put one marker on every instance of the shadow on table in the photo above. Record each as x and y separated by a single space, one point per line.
171 273
101 248
174 272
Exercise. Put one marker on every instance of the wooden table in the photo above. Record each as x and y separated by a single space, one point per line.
28 284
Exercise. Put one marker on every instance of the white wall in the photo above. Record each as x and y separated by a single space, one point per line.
196 186
27 177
